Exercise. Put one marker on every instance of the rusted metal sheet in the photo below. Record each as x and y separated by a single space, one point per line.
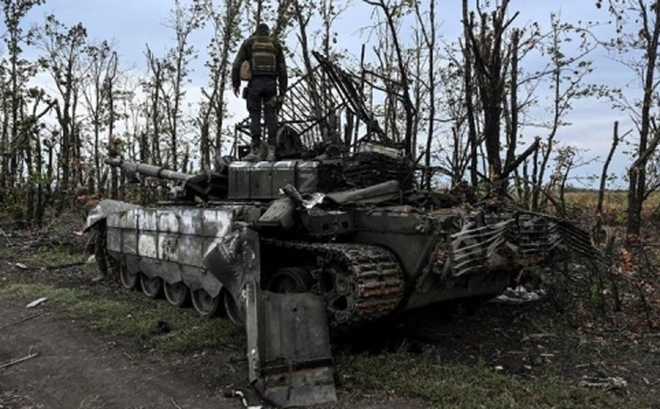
289 348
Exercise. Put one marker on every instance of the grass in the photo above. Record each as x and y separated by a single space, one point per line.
132 316
615 203
461 386
52 257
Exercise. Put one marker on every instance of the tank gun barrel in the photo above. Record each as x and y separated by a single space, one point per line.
148 170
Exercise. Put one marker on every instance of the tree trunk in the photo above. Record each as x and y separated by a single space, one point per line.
637 173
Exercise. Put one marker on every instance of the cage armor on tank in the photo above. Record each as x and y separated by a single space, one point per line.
332 235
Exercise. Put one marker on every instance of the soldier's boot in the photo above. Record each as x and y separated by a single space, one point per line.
253 156
271 154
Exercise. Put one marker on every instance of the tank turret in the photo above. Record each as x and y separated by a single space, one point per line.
331 237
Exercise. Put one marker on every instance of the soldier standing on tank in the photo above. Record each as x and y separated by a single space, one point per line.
268 70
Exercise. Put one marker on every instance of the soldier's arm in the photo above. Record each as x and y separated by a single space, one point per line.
281 70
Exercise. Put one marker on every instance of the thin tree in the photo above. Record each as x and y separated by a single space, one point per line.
226 35
638 29
390 10
14 82
63 49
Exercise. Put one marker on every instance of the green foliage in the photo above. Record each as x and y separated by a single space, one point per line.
596 298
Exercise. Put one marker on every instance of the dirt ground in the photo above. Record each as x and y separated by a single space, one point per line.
79 367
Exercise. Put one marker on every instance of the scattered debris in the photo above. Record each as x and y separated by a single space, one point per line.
518 295
176 405
231 393
532 337
107 345
36 302
13 362
57 267
20 321
18 265
610 383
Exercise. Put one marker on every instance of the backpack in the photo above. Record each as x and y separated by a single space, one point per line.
263 59
246 71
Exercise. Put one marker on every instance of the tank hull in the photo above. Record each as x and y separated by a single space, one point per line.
443 255
169 243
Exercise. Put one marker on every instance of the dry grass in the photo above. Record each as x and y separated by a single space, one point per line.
581 204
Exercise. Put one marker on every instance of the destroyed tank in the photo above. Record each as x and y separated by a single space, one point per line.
322 238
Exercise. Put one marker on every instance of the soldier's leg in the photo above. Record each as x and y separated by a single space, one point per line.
99 237
270 116
254 108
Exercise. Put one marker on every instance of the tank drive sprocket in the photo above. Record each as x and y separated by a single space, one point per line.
359 282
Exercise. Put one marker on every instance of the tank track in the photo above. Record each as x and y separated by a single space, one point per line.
368 281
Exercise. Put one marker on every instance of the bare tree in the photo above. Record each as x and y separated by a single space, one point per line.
566 78
226 35
63 47
15 75
638 29
97 93
183 21
430 38
486 43
390 11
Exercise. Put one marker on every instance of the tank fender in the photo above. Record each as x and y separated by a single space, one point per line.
288 342
234 260
104 208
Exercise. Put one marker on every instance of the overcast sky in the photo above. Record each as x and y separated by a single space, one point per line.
134 23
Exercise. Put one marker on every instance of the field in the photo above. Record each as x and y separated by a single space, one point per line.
593 342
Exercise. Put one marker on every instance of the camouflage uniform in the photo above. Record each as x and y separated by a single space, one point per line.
96 241
268 71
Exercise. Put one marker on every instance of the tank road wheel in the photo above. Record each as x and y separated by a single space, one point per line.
205 305
177 294
128 280
290 280
152 287
233 312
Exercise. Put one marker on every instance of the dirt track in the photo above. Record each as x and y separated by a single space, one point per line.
77 368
